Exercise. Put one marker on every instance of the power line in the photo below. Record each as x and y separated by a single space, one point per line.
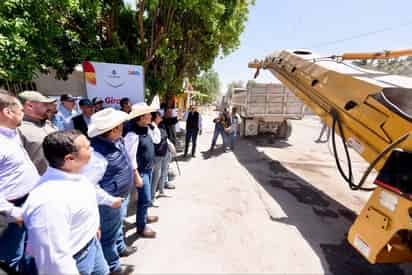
357 36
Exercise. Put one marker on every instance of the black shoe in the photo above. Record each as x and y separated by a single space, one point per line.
128 251
170 186
123 270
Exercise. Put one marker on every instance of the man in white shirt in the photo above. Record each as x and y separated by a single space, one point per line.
18 176
61 213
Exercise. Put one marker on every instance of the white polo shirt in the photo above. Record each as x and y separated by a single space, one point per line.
61 216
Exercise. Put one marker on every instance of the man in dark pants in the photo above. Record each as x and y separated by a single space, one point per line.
193 128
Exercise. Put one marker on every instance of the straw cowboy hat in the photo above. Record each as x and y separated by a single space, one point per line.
141 108
105 120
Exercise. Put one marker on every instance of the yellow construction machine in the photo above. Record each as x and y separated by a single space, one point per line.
372 113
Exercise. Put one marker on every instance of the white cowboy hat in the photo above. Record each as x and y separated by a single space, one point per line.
105 120
141 108
155 102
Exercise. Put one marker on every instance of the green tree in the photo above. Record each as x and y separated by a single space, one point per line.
198 31
35 35
172 39
208 84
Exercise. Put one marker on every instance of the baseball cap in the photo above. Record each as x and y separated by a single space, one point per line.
85 102
97 100
35 97
67 97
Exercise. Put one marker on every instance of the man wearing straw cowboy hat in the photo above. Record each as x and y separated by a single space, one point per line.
140 143
105 132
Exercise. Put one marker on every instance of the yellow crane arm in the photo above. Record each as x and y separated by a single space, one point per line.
374 117
377 55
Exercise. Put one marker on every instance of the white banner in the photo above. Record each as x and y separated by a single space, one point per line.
112 82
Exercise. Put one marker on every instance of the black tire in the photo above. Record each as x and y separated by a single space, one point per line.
284 130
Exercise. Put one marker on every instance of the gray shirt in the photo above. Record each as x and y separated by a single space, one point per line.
32 135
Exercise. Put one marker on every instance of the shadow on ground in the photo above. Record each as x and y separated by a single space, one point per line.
219 150
328 222
268 140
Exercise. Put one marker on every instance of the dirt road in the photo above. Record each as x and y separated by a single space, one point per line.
268 207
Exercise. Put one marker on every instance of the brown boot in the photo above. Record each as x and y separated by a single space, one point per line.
152 219
148 233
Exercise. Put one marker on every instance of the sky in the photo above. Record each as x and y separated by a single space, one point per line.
355 25
364 25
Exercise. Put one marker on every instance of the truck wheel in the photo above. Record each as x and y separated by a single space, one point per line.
284 130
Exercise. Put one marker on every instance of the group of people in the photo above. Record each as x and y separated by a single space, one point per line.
66 179
227 126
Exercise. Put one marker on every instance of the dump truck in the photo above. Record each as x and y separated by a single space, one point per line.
266 108
372 113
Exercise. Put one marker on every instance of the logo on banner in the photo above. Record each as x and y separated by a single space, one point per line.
111 82
89 73
133 72
114 78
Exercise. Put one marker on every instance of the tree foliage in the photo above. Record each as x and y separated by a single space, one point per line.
208 84
188 38
35 35
172 39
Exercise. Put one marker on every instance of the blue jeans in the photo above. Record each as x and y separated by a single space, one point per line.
12 245
111 227
219 130
233 138
120 244
90 261
144 200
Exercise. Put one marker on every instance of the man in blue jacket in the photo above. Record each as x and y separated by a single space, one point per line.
105 131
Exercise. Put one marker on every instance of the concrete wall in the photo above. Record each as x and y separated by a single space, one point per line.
49 85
